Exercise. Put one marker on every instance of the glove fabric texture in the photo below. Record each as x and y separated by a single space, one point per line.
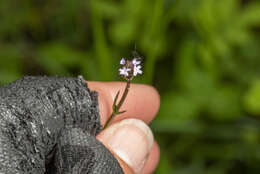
48 126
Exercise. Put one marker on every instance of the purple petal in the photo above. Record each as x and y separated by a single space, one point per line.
137 70
122 61
124 71
135 62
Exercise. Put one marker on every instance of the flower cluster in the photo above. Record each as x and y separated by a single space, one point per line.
129 68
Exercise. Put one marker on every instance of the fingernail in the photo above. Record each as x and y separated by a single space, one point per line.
131 140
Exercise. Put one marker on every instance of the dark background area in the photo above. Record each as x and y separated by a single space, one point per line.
202 55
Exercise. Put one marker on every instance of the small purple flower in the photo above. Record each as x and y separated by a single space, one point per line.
130 68
135 61
122 61
137 70
124 71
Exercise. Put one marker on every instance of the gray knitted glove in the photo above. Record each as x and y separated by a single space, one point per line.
48 126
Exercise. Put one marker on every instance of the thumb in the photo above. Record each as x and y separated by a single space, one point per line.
130 141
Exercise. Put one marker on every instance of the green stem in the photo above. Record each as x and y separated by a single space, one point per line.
116 112
109 120
124 95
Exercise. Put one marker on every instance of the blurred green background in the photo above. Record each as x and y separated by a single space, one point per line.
202 55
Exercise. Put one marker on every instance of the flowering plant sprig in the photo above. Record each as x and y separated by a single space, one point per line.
128 70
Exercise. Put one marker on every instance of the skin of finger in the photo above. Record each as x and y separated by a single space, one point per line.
150 165
152 160
124 166
104 99
142 101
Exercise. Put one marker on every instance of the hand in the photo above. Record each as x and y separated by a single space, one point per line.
134 149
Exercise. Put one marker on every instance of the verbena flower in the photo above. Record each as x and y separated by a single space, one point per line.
122 61
137 70
124 71
136 61
130 69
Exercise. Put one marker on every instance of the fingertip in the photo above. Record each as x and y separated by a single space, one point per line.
153 159
142 101
131 140
155 96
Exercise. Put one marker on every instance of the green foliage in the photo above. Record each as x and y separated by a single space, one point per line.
252 99
202 55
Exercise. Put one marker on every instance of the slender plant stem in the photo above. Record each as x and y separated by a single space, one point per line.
124 95
116 112
110 119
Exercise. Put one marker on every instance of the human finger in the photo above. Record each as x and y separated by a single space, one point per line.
142 101
152 160
131 142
